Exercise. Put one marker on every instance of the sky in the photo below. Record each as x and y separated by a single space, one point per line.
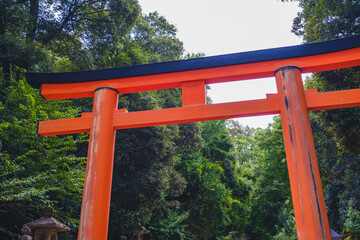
216 27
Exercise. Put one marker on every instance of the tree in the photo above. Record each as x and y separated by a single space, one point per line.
170 224
215 196
81 35
36 171
336 131
326 20
157 38
270 204
145 162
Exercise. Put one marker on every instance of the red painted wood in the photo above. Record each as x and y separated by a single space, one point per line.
271 105
292 102
193 93
315 63
95 206
307 194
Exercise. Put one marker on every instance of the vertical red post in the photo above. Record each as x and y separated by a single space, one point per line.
95 207
307 194
193 93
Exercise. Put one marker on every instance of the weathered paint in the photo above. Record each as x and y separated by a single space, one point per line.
308 200
291 101
314 63
95 206
201 112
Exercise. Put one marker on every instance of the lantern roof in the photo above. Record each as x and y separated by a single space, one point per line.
48 222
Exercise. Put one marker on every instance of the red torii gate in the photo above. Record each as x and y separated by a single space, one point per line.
291 101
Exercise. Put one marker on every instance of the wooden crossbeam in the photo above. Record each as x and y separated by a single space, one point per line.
292 102
314 63
195 113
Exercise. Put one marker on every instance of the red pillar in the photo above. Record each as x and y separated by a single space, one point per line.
193 93
95 207
307 194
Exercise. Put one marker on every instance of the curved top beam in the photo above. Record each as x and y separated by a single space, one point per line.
37 79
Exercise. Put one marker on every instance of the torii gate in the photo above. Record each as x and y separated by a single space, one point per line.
291 101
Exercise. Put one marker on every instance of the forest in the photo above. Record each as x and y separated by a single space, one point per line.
209 180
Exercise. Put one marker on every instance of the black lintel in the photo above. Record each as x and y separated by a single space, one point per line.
36 79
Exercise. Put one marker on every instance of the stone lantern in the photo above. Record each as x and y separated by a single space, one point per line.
47 227
25 233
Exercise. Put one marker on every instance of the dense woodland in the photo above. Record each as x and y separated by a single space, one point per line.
210 180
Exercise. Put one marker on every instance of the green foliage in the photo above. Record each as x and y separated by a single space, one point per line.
321 20
336 132
145 162
208 199
215 195
325 20
352 225
36 171
339 171
157 38
169 224
270 199
287 228
231 236
343 124
213 180
72 36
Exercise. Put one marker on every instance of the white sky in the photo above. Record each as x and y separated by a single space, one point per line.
217 27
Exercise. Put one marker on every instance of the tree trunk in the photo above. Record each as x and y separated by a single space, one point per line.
5 64
33 20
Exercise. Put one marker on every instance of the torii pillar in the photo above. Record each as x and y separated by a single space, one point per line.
291 102
94 216
308 198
